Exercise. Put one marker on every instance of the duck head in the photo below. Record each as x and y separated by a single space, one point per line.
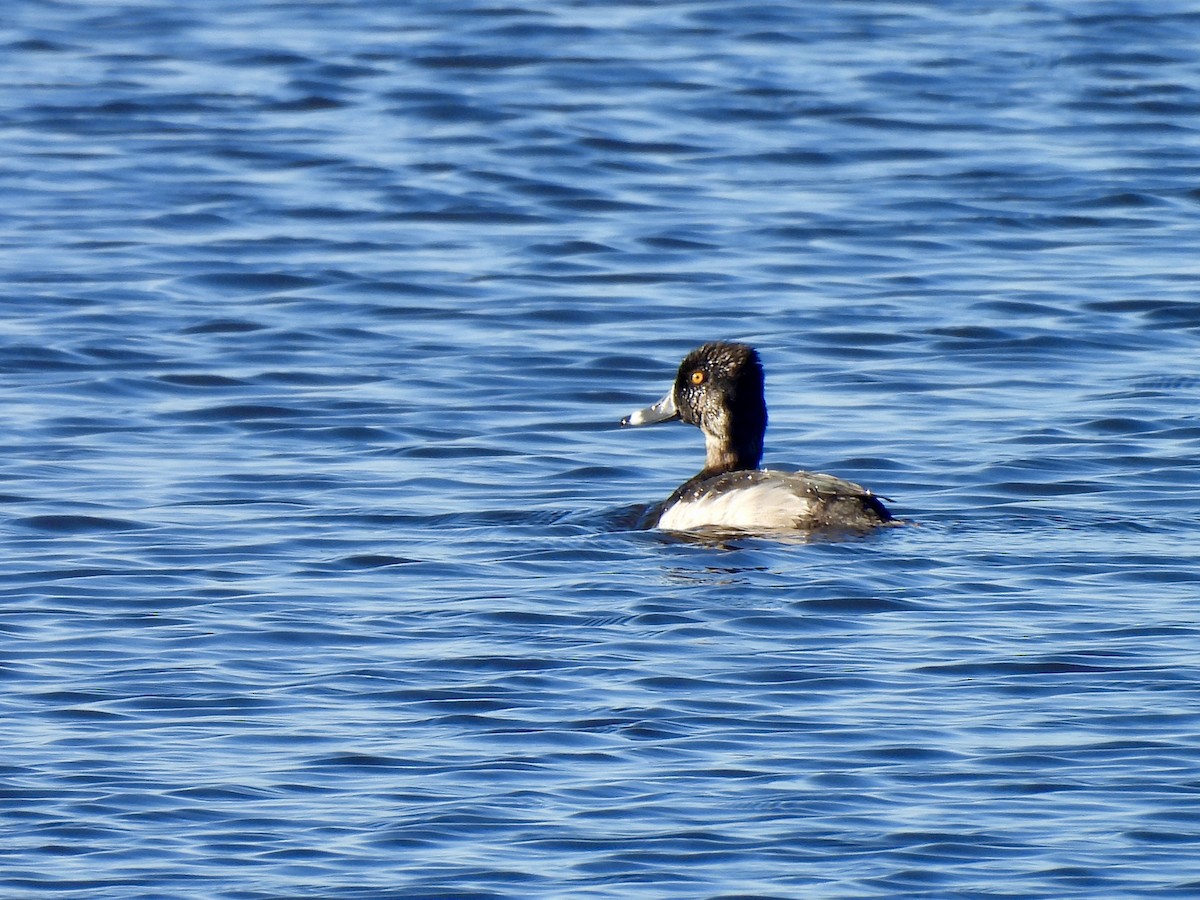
719 389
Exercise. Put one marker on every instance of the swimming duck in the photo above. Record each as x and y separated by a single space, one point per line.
719 389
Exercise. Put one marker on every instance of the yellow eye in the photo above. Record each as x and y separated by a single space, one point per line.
698 377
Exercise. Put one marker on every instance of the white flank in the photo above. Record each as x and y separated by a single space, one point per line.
766 505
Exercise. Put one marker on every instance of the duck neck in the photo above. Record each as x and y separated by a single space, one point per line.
734 446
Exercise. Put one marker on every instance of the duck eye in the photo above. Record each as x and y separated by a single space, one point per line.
698 377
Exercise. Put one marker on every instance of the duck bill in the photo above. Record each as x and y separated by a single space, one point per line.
662 411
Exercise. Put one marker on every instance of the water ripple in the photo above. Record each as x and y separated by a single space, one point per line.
327 570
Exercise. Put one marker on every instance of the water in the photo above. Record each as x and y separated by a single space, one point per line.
323 575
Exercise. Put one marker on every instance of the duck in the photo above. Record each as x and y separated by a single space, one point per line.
719 389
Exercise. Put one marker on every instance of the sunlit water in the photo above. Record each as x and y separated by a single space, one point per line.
323 574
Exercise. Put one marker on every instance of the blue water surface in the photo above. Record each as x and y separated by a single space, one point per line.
324 573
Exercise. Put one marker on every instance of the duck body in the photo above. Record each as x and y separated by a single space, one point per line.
769 500
719 388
